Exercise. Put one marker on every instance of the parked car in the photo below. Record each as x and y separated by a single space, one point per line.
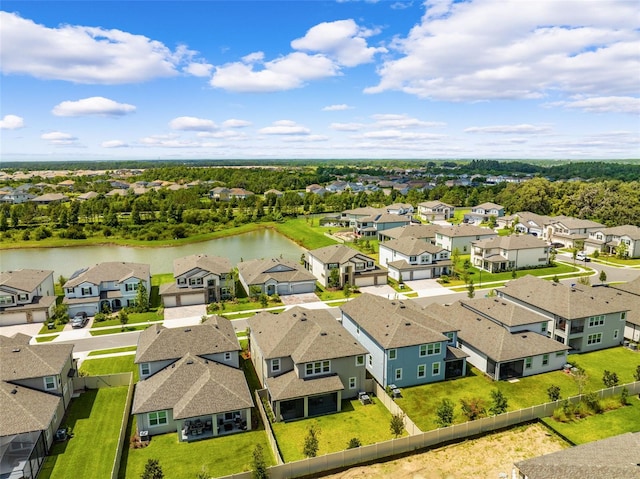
80 320
582 256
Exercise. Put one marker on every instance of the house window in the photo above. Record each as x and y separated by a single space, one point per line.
23 297
393 354
86 291
422 370
435 369
49 382
275 365
596 320
424 259
360 360
317 367
433 349
543 328
545 359
615 334
623 316
211 282
370 360
6 300
227 356
353 383
369 264
157 418
412 259
594 338
450 335
398 374
131 286
182 281
333 266
527 363
423 350
195 281
145 369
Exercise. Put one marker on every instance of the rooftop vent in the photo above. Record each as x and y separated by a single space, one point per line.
524 336
16 350
188 330
407 324
323 334
189 361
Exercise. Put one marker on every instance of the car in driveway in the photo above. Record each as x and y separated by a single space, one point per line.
582 256
80 320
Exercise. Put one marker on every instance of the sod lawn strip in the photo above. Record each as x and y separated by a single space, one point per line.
112 365
112 350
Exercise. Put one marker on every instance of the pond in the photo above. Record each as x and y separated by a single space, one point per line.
64 261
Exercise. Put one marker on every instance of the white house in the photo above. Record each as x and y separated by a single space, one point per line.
506 253
412 258
461 236
352 267
608 240
435 211
26 296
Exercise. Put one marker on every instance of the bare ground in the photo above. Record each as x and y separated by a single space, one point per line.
486 457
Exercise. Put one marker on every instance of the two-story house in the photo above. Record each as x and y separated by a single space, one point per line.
581 317
191 381
483 212
571 232
199 279
352 267
406 347
435 211
502 339
533 224
625 239
461 236
220 193
412 258
506 253
306 361
413 230
111 285
35 391
371 226
275 276
630 294
26 296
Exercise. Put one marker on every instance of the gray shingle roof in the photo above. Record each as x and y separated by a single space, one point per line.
614 458
290 386
24 279
512 242
395 324
25 410
631 231
304 334
215 335
24 361
463 230
337 253
258 271
412 231
193 387
489 206
110 271
506 312
573 223
213 264
412 246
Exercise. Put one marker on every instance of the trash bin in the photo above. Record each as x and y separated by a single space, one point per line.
144 436
51 325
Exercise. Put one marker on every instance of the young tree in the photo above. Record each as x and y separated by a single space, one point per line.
622 250
553 392
346 290
311 442
258 463
581 378
584 280
471 289
152 470
610 379
473 408
142 299
264 300
123 317
334 278
636 373
455 257
603 276
353 443
444 413
397 425
499 402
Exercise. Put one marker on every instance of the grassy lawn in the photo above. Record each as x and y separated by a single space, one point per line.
56 329
244 304
133 319
232 316
369 423
327 295
420 402
94 419
507 276
117 364
302 232
620 261
46 339
118 329
600 426
218 456
113 350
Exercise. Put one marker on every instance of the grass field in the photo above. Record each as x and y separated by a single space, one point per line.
113 365
134 318
113 350
117 329
94 418
302 232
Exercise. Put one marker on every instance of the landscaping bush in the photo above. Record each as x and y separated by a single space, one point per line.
353 443
553 392
624 397
610 379
473 408
592 401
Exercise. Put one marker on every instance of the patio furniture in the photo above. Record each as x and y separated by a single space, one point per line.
364 398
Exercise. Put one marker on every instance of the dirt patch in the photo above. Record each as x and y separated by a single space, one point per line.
485 457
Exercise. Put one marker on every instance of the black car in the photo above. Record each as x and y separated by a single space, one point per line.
80 320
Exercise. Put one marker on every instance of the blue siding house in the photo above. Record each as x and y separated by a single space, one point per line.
407 347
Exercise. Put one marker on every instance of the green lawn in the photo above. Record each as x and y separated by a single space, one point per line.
326 295
94 418
600 426
420 402
46 339
369 423
112 350
134 318
302 232
117 329
58 327
244 304
620 261
217 457
117 364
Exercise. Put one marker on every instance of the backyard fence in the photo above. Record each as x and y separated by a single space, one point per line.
394 409
122 440
260 394
102 381
393 447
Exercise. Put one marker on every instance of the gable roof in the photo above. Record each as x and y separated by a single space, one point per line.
385 218
24 361
489 206
573 223
631 287
337 253
412 246
290 386
434 204
259 271
193 387
462 230
526 218
24 279
631 231
506 312
412 231
510 243
109 271
303 334
25 409
611 458
214 264
395 324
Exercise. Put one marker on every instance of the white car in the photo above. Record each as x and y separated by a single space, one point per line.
582 256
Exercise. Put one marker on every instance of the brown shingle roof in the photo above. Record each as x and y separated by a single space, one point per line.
512 242
463 230
23 361
110 271
412 231
290 386
506 312
337 253
25 410
412 246
258 271
214 264
24 279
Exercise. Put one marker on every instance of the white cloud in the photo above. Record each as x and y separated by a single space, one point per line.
84 54
96 105
603 104
401 135
59 138
510 129
190 123
284 127
199 69
284 73
403 121
235 123
340 107
306 139
343 40
346 126
168 141
223 134
11 122
114 144
509 49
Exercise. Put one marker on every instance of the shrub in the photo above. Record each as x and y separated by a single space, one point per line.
100 317
397 425
444 413
592 401
353 443
311 442
499 402
473 408
553 392
624 396
610 379
636 373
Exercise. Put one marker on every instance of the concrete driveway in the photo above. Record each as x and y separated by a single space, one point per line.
427 287
297 299
184 315
380 290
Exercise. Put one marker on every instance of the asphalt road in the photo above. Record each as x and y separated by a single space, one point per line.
106 341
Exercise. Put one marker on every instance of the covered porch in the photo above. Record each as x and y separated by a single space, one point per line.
207 426
455 363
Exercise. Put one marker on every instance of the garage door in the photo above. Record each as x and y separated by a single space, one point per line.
303 288
365 281
191 299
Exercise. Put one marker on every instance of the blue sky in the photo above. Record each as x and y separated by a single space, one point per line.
319 79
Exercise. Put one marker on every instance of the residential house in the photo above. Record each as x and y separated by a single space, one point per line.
239 193
220 193
412 258
316 189
571 232
502 339
412 230
630 293
276 193
275 276
352 267
581 317
611 458
199 279
399 209
406 347
609 240
371 226
110 285
87 196
461 236
531 223
349 217
306 361
26 296
36 382
435 211
50 198
482 213
507 253
15 196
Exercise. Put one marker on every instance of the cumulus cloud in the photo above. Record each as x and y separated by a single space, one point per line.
97 105
340 107
84 54
603 104
191 123
59 138
401 135
11 122
199 69
403 121
235 123
114 144
168 141
346 126
284 127
509 129
509 49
